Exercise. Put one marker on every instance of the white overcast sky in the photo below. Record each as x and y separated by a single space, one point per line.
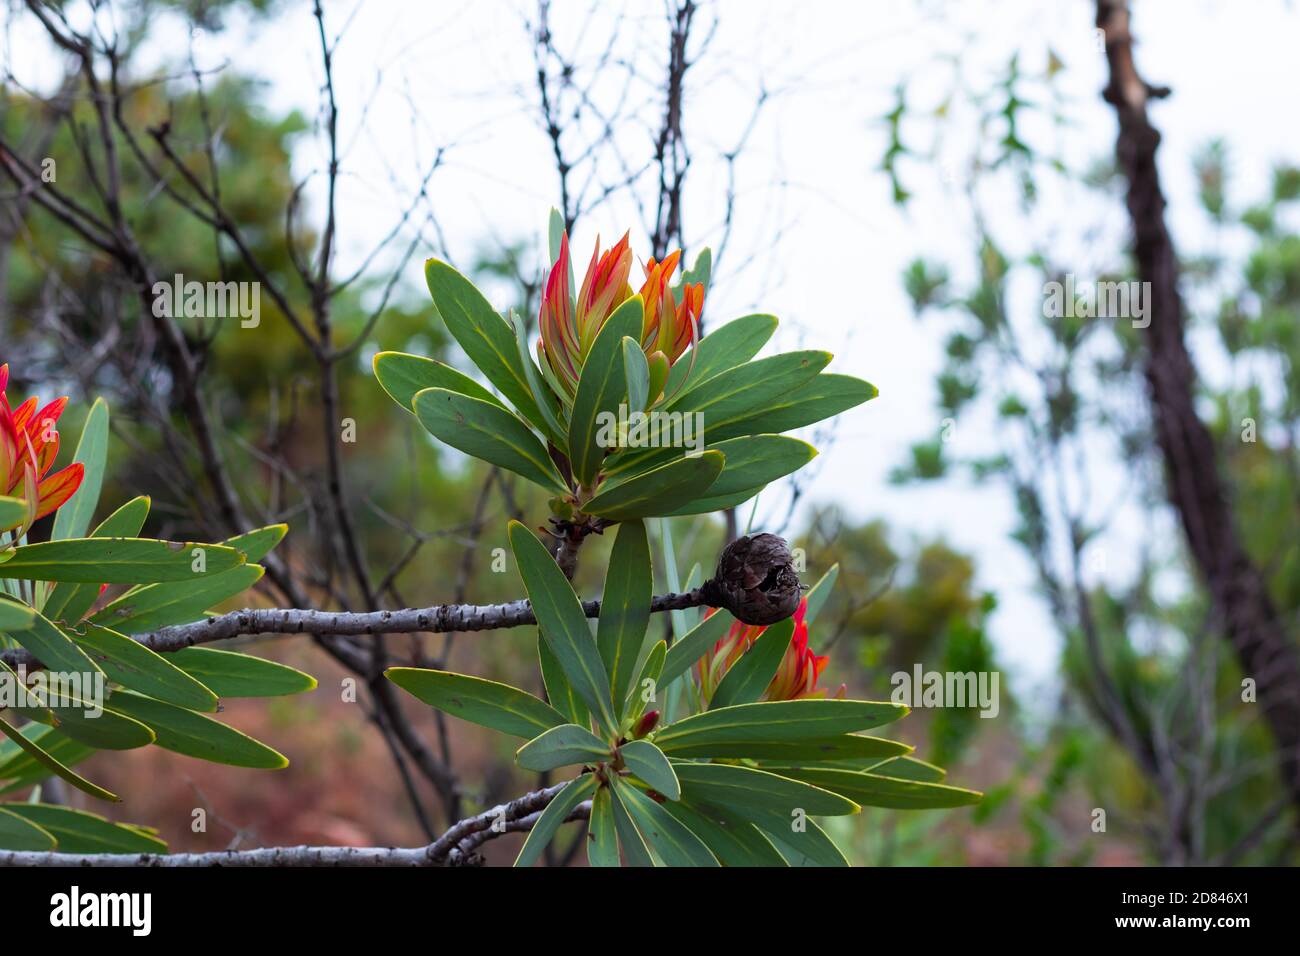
818 241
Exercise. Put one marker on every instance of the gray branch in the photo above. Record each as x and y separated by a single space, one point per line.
440 618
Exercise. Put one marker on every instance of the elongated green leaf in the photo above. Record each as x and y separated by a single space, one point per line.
693 645
777 720
547 402
636 852
636 371
53 648
186 732
740 787
819 593
483 702
563 623
486 337
649 765
672 841
752 462
602 387
148 608
556 812
602 835
17 833
231 674
825 396
746 680
797 753
562 746
119 561
555 242
725 347
907 768
734 841
13 511
871 790
133 665
70 602
734 393
99 727
15 616
258 543
659 491
800 841
487 432
403 376
644 694
559 692
18 772
625 608
80 832
72 520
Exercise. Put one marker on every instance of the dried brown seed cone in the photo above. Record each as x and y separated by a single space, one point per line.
756 580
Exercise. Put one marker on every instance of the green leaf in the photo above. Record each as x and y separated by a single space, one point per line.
725 347
101 728
133 665
34 750
695 643
734 393
777 720
554 234
602 387
819 593
258 543
741 788
547 403
486 337
13 511
19 834
908 768
672 841
825 396
52 647
185 732
602 835
403 376
559 692
483 702
563 623
231 674
153 606
489 433
651 672
72 520
15 616
636 371
807 846
635 850
118 561
747 679
548 824
80 832
871 790
752 462
562 746
734 841
649 765
625 608
795 753
659 491
70 602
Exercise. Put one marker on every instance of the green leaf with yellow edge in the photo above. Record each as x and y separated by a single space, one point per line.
15 616
819 592
670 839
52 647
99 727
563 623
752 463
231 674
602 387
747 679
602 835
80 832
16 771
743 787
907 768
559 692
155 606
636 851
489 433
871 790
735 842
562 746
807 846
625 608
659 491
19 834
556 812
645 691
547 402
824 397
725 347
119 561
648 764
777 720
403 376
793 753
694 644
186 732
133 665
68 601
73 518
483 702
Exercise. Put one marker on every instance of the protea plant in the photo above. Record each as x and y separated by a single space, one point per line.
29 445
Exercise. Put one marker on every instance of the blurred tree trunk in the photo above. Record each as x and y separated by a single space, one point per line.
1194 484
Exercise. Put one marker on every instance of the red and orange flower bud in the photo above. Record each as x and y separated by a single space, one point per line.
568 328
649 720
795 679
29 443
